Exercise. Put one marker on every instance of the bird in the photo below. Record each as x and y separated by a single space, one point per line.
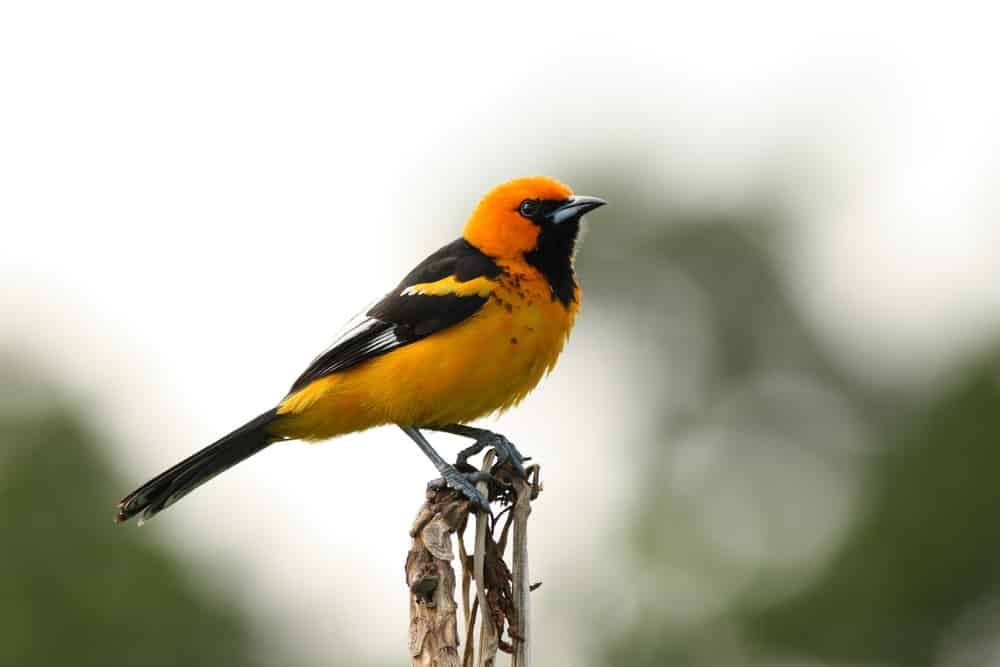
469 332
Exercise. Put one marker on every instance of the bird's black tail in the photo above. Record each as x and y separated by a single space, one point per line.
168 487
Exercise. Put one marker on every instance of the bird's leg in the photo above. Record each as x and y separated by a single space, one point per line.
505 449
450 476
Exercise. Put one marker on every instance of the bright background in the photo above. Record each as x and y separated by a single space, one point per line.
790 306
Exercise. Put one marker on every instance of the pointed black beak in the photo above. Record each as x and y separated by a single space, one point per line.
574 208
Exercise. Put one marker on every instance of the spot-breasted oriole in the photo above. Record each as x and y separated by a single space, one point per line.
470 331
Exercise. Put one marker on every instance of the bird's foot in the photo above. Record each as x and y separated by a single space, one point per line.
464 483
505 449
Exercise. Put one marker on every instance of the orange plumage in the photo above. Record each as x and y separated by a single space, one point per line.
470 331
487 362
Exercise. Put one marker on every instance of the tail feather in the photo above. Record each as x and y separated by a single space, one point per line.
170 486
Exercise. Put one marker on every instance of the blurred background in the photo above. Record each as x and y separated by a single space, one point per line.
772 440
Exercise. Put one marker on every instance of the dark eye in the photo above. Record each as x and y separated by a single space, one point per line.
529 208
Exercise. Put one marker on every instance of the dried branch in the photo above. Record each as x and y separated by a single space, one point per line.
433 631
501 596
489 640
521 583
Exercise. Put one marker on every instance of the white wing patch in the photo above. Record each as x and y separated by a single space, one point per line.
352 328
363 331
380 342
362 337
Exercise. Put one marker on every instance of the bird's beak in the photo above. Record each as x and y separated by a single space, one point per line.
574 208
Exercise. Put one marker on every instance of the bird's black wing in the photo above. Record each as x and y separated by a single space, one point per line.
406 315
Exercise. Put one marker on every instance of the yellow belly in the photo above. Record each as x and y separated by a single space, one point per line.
486 363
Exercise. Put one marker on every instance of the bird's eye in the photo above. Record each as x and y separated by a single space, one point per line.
529 208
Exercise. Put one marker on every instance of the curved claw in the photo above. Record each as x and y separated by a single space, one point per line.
505 449
507 453
465 483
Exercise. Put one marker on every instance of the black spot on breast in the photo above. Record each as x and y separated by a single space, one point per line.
513 341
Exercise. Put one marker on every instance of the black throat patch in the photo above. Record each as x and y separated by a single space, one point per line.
553 257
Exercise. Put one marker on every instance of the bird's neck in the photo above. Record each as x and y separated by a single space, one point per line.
553 257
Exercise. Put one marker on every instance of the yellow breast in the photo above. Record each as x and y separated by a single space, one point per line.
486 363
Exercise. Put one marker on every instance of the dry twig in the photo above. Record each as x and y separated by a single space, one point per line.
433 632
501 597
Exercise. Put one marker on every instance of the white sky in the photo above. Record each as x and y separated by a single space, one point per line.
194 196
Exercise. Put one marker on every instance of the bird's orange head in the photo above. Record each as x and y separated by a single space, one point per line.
534 219
499 227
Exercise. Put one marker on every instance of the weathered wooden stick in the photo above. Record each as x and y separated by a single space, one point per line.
523 492
489 639
501 596
433 630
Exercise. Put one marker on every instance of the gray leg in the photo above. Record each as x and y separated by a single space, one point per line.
451 477
505 449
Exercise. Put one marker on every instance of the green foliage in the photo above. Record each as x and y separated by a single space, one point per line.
925 554
76 590
706 296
